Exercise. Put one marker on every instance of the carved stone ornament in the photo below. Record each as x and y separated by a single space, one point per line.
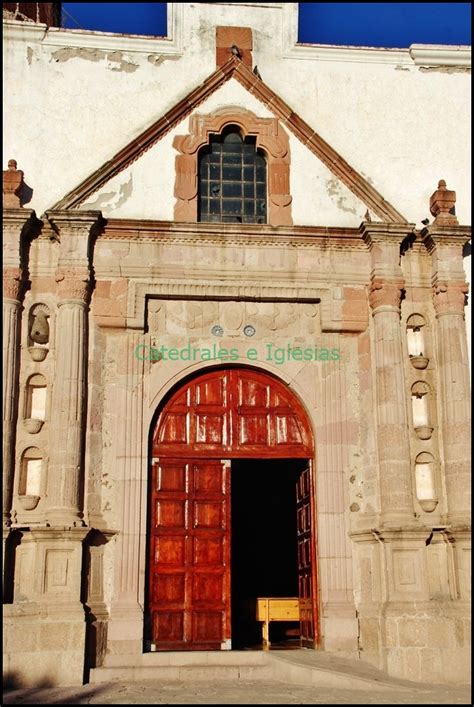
450 297
12 283
270 137
385 292
12 184
73 284
39 331
442 205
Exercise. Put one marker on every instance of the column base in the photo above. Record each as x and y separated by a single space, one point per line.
340 628
125 629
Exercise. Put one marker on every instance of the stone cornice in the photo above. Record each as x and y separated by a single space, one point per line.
107 41
436 236
73 220
440 55
380 233
76 230
232 234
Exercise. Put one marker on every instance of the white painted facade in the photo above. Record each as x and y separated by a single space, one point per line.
402 125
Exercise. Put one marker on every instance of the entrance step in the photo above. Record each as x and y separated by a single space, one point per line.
185 666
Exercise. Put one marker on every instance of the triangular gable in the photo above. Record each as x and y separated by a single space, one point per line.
355 182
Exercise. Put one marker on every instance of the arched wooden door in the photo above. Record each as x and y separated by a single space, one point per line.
214 417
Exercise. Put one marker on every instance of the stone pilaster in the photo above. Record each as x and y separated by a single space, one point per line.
125 632
445 243
74 281
396 495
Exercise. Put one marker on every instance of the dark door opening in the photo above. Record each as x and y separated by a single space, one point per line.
264 545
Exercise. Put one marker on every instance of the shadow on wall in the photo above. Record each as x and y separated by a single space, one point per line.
45 692
25 194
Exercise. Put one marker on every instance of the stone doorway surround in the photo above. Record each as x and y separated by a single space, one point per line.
143 381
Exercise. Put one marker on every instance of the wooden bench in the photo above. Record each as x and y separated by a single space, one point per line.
276 609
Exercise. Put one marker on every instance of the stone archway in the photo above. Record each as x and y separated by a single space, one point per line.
227 413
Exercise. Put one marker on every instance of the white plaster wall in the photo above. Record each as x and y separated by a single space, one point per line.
68 110
146 188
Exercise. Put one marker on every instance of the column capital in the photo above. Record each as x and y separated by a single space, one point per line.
13 284
73 284
385 292
449 297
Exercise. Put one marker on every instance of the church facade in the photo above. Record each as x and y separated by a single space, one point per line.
235 351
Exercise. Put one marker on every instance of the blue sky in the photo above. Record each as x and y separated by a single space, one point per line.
382 24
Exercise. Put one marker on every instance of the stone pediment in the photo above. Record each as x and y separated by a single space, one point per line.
126 185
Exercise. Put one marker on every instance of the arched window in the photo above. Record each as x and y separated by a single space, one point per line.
232 180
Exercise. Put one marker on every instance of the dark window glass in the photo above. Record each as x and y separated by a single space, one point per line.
232 180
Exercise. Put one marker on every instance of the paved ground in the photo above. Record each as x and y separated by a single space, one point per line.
224 693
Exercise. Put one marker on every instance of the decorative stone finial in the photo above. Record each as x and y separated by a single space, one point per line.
12 183
442 205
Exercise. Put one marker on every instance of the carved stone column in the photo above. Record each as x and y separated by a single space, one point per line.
14 276
445 239
396 495
73 277
12 286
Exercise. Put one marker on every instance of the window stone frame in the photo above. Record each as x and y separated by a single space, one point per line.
270 137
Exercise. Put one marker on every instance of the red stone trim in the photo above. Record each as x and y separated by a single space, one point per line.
240 37
271 138
234 67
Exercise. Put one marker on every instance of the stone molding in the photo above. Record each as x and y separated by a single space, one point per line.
233 234
270 137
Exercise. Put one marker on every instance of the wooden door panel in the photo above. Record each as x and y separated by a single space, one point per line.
208 552
234 412
305 523
190 554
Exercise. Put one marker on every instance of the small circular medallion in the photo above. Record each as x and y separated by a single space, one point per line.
249 330
217 330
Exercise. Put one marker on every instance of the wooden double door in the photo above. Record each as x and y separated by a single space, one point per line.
190 561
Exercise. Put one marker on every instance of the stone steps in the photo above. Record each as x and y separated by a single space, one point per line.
298 667
183 666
